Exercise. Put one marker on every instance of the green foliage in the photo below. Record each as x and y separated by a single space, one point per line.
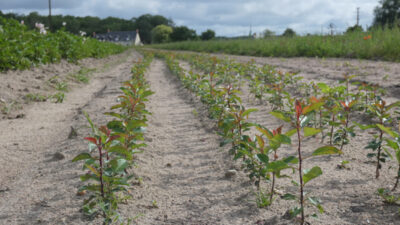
268 33
320 107
382 44
112 148
207 35
23 48
161 33
387 13
355 28
146 23
289 32
183 33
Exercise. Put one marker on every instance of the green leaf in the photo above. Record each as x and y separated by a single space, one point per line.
121 150
388 131
365 127
280 115
90 122
114 114
324 87
317 203
394 145
283 139
277 166
310 131
327 150
291 132
311 174
82 156
291 160
312 107
288 197
119 165
263 158
395 104
247 112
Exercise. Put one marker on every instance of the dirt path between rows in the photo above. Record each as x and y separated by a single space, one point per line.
183 167
38 181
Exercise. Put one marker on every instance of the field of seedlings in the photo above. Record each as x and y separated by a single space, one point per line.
160 137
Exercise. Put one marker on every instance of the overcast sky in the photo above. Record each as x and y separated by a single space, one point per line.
226 17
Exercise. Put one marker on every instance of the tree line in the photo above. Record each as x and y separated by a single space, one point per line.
166 30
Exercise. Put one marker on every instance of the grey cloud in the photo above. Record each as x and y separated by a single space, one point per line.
38 4
227 18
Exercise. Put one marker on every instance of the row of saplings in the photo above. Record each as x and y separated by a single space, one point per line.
324 110
112 148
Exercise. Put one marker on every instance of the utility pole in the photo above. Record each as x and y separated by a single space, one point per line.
49 14
358 16
250 30
332 28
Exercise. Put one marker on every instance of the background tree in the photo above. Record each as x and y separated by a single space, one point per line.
289 32
355 28
146 23
207 35
268 33
387 13
183 33
161 33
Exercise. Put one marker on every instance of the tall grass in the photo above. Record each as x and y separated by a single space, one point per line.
383 44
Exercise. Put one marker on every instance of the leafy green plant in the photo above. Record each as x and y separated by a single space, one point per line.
341 136
381 112
23 48
106 170
394 144
301 123
112 149
387 197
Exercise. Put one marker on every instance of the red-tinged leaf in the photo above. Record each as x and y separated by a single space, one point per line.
91 139
266 132
314 100
352 103
105 130
277 130
260 143
298 109
112 138
343 104
312 107
93 170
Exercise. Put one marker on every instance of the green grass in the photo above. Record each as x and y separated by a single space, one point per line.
384 45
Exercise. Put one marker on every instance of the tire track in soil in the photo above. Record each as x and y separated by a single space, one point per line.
183 167
42 182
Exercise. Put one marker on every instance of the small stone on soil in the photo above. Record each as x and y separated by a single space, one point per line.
58 156
230 173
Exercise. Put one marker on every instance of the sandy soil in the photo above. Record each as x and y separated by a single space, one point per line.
183 169
38 181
